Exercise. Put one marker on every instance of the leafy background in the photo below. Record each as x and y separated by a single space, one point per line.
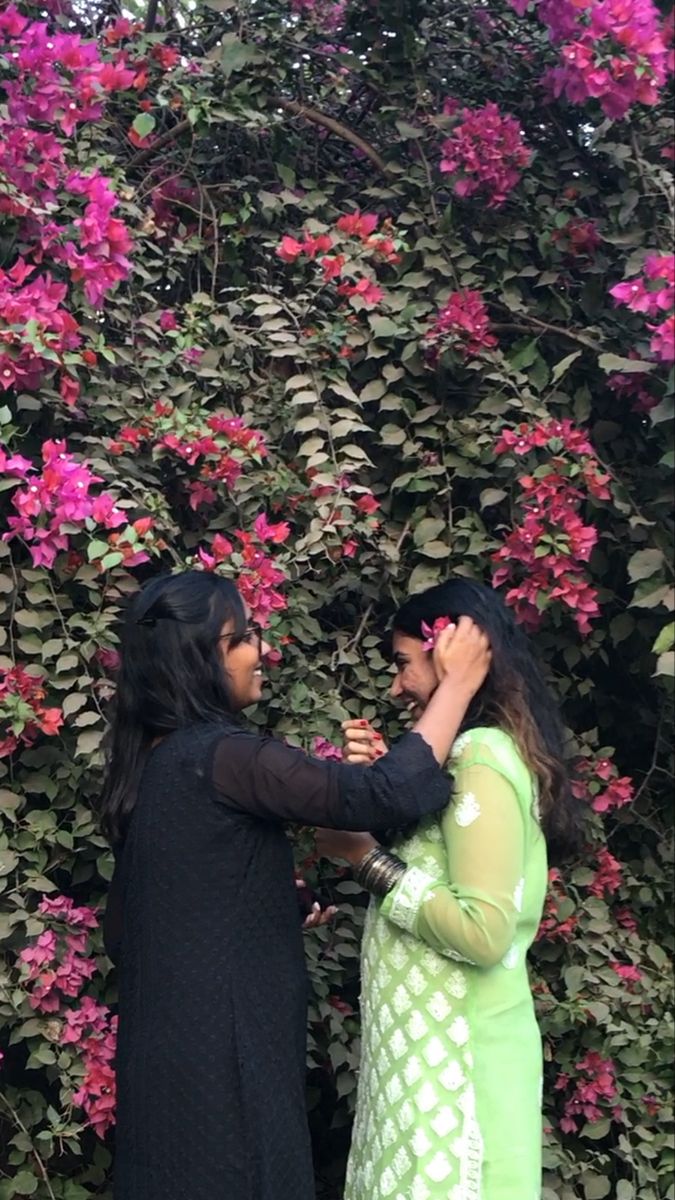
198 358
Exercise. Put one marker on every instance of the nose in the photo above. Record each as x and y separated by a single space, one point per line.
264 648
396 688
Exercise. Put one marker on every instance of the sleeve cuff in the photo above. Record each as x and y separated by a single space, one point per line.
403 903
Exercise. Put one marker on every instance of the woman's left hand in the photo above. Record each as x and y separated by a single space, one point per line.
338 843
317 916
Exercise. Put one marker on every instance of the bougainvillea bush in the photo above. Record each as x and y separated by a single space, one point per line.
339 297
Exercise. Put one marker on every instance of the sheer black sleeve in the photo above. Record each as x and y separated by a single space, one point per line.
268 779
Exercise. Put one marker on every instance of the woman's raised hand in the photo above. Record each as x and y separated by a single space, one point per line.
362 744
463 652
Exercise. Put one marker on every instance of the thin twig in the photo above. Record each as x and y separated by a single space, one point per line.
163 140
20 1125
351 645
403 535
638 160
533 323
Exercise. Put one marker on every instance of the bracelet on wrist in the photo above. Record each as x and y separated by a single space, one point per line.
379 872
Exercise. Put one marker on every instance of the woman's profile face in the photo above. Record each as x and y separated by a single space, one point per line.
416 680
243 662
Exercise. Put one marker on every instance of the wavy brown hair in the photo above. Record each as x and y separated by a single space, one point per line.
514 697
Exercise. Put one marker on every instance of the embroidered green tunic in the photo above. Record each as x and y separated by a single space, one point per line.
449 1095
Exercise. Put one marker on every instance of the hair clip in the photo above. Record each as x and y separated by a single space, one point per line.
148 622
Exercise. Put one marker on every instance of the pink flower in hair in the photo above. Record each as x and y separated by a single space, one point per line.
431 632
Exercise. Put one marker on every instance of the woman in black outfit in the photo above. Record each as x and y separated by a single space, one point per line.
203 917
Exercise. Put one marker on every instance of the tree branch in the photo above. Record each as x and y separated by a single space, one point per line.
342 131
529 324
292 106
151 16
161 141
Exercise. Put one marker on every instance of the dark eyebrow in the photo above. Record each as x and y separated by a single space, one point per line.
400 659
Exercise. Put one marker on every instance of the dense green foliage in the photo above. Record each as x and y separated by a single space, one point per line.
385 452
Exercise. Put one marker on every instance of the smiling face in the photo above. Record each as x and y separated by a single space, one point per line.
416 679
243 663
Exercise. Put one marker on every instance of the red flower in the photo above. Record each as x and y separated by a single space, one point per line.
463 325
357 224
332 267
629 974
289 249
367 504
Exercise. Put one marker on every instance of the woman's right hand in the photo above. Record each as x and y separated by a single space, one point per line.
362 744
463 652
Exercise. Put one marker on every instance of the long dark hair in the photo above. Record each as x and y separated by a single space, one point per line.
170 676
514 697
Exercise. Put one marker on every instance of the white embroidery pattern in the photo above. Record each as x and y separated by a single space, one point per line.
460 744
416 1135
407 897
467 810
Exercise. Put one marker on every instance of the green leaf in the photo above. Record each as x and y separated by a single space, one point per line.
25 1183
143 124
384 327
665 664
409 131
435 550
574 979
564 365
665 640
490 496
644 563
235 54
596 1131
427 530
630 366
596 1187
525 355
97 549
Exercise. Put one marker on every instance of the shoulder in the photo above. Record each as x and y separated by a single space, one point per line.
490 746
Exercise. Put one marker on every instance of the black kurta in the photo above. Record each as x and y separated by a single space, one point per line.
212 1003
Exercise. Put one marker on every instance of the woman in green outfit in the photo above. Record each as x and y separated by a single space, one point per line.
449 1097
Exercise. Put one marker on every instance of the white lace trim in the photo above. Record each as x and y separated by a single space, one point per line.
407 898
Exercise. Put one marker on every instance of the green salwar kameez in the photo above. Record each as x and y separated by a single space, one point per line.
449 1095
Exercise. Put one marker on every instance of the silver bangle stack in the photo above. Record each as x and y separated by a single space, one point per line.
379 872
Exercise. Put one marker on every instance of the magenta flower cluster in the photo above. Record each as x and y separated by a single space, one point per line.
484 153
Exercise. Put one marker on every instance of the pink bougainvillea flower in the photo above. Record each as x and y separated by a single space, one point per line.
485 152
357 224
368 292
662 343
628 973
612 51
431 632
289 249
367 504
168 320
323 748
271 533
462 325
332 266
